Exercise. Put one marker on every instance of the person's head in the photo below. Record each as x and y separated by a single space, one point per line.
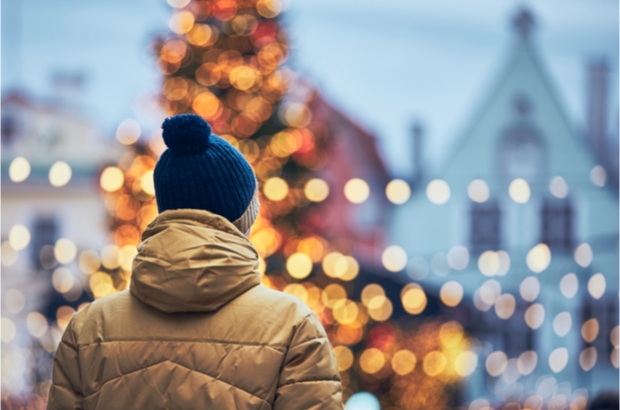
200 170
607 400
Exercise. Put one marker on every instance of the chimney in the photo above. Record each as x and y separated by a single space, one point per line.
597 106
418 135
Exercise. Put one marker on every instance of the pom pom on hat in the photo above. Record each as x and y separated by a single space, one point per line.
186 133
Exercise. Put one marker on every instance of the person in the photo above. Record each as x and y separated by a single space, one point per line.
196 329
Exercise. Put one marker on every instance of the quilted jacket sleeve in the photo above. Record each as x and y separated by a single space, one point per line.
309 379
66 390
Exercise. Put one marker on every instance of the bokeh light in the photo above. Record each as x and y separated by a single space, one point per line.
434 363
394 258
458 257
356 190
451 293
19 170
496 363
275 189
587 358
558 359
14 300
36 324
598 176
65 250
112 179
519 191
128 132
362 401
529 288
505 306
316 190
344 356
478 191
466 363
590 330
60 174
398 191
527 361
535 315
562 323
8 330
538 258
597 286
299 265
558 187
19 237
181 22
403 362
62 280
438 191
372 360
414 299
583 255
569 285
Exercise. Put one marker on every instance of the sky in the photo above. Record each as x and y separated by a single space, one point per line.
384 64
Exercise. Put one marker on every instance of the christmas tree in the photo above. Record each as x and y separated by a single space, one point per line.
224 60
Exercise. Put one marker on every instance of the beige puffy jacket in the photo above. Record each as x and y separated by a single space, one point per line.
195 331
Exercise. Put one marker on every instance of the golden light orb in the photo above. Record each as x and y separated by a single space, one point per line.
275 189
465 363
148 183
438 191
344 357
434 363
19 237
398 191
316 190
394 258
519 191
597 285
19 169
403 362
372 360
65 250
538 258
60 174
112 179
414 300
356 190
181 22
299 265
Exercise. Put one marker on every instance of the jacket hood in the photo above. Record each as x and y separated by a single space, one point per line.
193 261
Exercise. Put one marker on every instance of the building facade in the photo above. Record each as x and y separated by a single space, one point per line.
524 217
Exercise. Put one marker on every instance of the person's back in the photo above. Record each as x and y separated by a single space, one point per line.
196 330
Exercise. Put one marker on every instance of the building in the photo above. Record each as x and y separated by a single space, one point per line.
360 228
51 161
524 219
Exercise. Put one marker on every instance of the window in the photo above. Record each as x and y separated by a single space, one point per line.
45 233
522 147
605 311
485 226
557 225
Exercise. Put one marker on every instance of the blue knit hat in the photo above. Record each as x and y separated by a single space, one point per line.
200 170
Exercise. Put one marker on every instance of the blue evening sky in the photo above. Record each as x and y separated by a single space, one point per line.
383 63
